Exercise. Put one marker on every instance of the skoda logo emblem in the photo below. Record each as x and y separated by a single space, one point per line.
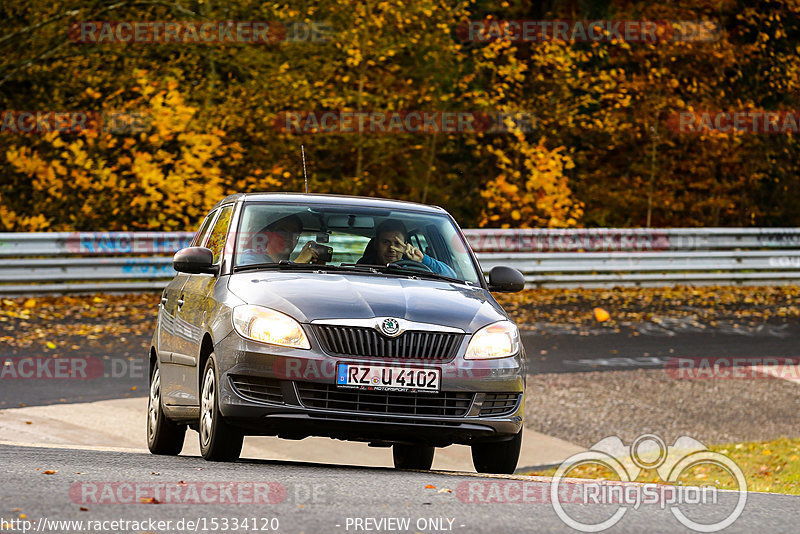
390 327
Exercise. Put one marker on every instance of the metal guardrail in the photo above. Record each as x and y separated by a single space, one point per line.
630 239
92 243
481 240
141 261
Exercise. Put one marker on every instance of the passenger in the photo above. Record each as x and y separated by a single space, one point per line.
276 241
390 246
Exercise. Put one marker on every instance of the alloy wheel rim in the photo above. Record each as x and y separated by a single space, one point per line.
155 401
207 411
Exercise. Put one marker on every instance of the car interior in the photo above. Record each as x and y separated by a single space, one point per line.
352 235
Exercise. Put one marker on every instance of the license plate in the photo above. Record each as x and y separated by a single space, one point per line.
382 378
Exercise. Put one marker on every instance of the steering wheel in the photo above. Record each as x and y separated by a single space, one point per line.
413 265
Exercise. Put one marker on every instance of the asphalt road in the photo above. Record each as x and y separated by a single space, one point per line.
103 377
325 498
313 498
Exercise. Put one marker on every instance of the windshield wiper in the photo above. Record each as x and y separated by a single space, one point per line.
289 265
393 268
283 264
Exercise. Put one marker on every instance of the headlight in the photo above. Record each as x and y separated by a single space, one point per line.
269 326
498 340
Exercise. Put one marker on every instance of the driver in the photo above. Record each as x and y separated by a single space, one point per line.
276 242
392 247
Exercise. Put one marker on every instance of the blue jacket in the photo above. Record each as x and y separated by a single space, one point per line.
438 267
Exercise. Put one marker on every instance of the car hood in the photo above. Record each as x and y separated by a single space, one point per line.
310 296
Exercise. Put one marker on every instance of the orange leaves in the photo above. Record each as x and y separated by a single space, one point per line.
532 189
601 315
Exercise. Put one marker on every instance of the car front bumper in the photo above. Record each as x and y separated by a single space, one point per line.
290 393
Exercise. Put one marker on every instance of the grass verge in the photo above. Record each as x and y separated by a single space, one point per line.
768 466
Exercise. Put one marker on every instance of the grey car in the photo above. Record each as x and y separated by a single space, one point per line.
355 318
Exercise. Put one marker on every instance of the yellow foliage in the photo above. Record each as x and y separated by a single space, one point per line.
538 193
165 180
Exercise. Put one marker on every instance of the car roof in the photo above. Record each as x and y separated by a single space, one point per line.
339 200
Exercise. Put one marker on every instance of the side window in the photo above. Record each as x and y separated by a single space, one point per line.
216 241
347 248
418 240
201 233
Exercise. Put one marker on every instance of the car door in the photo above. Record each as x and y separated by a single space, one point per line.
166 318
170 330
195 305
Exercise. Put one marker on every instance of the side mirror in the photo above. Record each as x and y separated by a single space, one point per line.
194 260
505 280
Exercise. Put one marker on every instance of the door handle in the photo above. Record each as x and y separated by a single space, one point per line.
163 300
180 303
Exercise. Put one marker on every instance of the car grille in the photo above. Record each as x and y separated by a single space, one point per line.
258 388
499 403
360 341
329 397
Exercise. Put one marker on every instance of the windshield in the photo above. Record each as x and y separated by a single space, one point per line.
339 236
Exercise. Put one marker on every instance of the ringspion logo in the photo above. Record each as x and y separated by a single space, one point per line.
650 452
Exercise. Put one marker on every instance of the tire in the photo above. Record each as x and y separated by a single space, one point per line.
219 442
163 436
412 456
499 457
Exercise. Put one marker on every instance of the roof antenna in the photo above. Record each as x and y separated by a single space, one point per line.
305 176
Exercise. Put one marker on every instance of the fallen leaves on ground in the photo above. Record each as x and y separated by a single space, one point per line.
74 320
707 304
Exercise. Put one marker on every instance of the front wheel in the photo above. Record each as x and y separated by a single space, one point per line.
499 458
412 456
219 442
163 436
